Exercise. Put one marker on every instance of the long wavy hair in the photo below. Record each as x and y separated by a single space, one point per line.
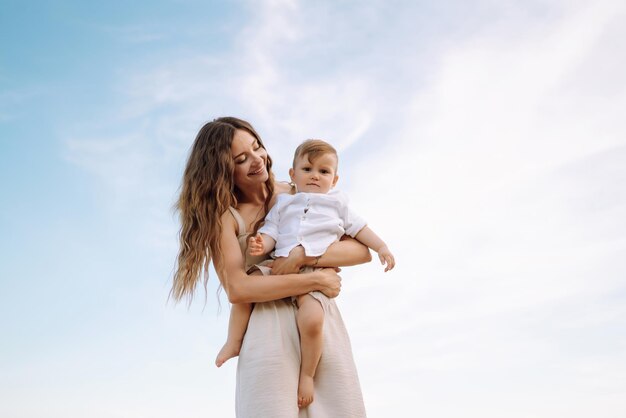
207 191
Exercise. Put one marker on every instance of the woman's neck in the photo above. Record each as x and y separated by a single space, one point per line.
254 196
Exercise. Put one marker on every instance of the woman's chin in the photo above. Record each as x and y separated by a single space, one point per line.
259 178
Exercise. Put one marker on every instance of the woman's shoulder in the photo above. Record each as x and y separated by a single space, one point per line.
284 187
228 221
282 191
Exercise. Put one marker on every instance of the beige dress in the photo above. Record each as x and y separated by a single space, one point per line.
269 362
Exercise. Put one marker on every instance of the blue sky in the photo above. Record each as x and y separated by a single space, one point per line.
484 141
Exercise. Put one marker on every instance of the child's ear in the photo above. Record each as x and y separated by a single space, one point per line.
335 181
291 173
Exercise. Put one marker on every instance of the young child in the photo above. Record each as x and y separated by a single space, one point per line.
314 217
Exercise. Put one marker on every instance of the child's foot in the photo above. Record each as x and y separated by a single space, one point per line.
305 391
227 352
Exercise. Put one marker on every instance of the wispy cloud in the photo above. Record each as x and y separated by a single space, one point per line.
162 108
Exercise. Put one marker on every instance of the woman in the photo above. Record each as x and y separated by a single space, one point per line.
228 187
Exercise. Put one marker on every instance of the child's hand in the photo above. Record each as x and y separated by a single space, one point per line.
255 245
386 257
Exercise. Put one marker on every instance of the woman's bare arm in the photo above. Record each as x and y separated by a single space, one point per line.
344 253
241 287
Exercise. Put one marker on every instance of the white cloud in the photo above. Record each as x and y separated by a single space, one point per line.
503 202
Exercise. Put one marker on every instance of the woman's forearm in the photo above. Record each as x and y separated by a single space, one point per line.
347 252
344 253
247 289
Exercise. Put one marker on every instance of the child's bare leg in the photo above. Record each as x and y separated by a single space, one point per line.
310 319
237 325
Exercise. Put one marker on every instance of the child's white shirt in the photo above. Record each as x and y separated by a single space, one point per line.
313 220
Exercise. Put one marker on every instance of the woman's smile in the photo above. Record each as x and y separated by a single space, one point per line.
260 170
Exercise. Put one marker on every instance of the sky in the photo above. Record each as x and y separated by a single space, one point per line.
483 141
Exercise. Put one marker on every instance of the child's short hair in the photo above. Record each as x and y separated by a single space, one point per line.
313 148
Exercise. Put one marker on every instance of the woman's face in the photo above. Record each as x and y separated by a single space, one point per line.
250 160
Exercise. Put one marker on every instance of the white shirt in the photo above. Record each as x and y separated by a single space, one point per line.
313 220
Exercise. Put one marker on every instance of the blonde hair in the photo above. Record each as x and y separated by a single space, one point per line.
312 149
207 191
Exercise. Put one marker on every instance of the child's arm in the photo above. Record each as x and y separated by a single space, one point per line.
261 244
369 238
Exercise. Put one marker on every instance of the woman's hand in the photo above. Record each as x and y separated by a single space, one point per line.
330 282
291 264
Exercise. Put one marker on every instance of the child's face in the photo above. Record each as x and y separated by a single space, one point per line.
318 176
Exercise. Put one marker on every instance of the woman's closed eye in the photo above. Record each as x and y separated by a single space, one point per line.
242 158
